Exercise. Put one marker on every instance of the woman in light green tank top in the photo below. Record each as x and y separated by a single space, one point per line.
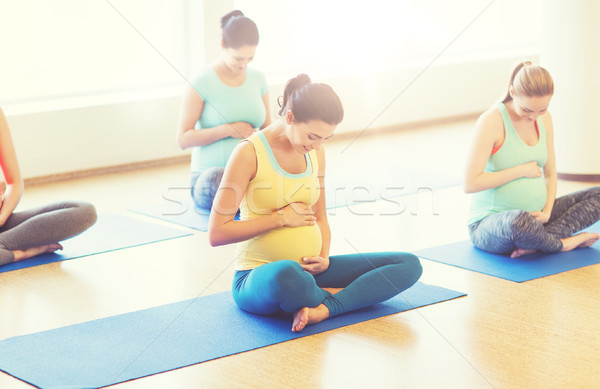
225 102
283 262
511 173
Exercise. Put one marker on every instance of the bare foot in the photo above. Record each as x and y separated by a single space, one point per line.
305 316
584 239
33 251
518 252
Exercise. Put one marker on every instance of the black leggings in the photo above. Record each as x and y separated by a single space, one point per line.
506 231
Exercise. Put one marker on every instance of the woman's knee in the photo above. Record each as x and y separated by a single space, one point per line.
412 266
409 264
522 221
496 233
80 213
595 192
287 276
206 186
87 214
286 269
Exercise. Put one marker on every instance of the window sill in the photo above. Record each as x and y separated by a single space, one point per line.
91 99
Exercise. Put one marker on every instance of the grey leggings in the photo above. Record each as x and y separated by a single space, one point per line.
506 231
43 226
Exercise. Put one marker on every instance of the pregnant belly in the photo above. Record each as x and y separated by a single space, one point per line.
528 194
288 243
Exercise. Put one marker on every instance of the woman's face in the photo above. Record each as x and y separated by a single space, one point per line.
310 135
529 108
238 59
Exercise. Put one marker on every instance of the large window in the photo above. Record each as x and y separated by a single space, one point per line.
340 37
73 48
64 48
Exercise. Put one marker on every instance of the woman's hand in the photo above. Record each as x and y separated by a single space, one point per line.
241 130
531 169
540 216
315 265
297 215
2 218
8 204
12 174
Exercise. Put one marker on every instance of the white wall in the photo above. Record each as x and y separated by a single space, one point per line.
76 139
572 57
59 141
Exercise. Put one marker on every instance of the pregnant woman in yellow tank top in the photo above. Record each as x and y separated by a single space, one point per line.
276 179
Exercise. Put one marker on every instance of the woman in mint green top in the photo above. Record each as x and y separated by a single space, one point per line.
226 102
511 172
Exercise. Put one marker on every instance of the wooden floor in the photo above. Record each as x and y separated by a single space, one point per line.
543 333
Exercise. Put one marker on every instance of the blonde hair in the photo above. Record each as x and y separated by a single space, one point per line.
529 80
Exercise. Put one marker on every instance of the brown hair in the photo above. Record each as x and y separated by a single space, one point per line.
310 101
238 30
529 80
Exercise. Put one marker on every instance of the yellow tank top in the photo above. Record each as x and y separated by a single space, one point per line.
273 188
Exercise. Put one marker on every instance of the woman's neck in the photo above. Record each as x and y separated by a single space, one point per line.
278 138
510 108
227 75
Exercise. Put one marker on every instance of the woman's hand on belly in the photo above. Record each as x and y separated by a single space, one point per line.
315 265
531 169
540 216
297 215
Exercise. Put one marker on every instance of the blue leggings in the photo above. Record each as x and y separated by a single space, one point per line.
506 231
367 279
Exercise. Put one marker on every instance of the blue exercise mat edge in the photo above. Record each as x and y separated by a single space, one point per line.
92 241
526 268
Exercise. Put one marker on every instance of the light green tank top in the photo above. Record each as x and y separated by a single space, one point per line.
528 194
226 104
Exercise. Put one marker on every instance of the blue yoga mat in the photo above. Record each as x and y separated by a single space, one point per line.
525 268
137 344
183 213
111 232
381 184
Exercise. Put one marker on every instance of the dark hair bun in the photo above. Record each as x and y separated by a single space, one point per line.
291 86
229 16
238 30
298 82
311 101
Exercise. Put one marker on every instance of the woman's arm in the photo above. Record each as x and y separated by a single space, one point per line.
192 106
223 229
320 208
317 265
489 133
11 171
549 172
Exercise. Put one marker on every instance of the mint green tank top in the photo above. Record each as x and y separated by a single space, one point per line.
528 194
226 104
